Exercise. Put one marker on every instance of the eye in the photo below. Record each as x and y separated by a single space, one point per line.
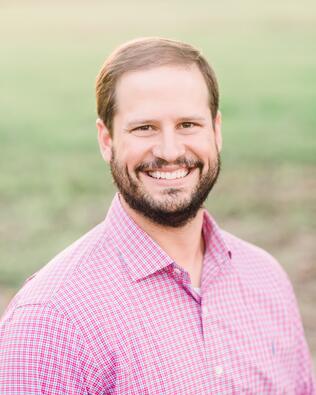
143 130
187 125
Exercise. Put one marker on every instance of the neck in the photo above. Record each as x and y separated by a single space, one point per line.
185 245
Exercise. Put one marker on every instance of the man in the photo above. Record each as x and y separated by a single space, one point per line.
157 299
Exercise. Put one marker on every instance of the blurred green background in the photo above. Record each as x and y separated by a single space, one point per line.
54 186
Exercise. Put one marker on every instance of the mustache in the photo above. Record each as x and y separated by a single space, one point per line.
158 163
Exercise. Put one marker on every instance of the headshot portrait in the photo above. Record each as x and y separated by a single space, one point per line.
170 251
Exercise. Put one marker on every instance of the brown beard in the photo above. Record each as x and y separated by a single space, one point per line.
172 213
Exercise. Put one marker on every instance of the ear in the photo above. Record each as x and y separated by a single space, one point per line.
105 140
218 131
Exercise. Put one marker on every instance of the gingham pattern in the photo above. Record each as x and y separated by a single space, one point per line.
113 314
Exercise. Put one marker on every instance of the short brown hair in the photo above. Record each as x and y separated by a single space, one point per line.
146 53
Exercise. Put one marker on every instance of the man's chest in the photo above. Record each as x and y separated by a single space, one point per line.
168 343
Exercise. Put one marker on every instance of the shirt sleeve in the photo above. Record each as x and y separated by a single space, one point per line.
42 353
304 375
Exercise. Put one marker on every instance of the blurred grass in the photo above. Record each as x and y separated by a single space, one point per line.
54 185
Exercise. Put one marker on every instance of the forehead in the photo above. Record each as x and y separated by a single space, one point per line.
160 88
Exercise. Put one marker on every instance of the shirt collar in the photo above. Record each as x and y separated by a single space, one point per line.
141 255
217 257
213 238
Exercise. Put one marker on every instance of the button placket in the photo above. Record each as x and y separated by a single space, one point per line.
205 311
215 340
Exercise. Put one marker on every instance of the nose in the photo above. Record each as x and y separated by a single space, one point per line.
169 147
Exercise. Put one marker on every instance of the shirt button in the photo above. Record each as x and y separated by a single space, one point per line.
219 370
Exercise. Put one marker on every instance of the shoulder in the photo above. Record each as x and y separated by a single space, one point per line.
48 352
256 267
73 275
264 283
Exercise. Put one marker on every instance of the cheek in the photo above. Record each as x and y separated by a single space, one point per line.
204 149
130 153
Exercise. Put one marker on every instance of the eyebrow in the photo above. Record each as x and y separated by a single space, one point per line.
195 118
137 122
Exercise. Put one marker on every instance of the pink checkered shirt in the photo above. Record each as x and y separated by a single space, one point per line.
113 314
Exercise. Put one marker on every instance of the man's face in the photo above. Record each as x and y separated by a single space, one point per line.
164 154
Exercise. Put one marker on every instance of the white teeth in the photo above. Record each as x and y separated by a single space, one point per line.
172 175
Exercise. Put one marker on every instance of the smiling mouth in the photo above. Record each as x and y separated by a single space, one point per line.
169 175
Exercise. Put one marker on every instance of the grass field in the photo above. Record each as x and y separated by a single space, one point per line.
54 185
